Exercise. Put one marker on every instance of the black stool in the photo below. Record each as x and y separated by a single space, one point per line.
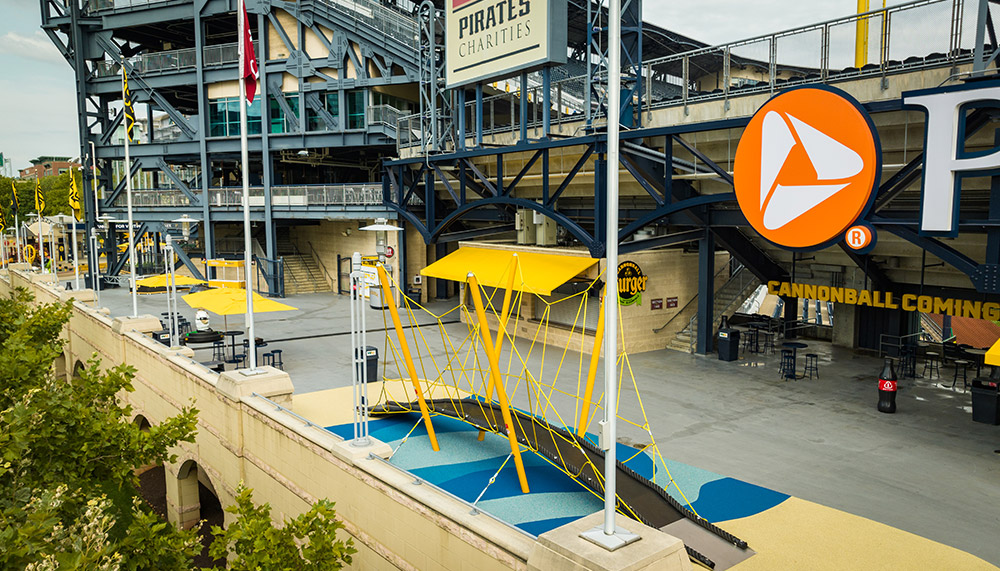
812 365
747 344
276 359
786 368
269 358
218 351
768 342
932 365
963 365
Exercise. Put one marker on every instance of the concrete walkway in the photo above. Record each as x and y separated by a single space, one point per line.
927 469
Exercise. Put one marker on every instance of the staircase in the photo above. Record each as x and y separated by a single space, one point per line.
302 273
727 299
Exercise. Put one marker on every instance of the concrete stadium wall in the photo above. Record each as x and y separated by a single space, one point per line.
289 464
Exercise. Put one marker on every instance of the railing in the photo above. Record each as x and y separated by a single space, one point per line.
894 343
824 52
151 197
173 60
691 304
384 115
273 277
362 194
390 22
817 53
319 260
100 5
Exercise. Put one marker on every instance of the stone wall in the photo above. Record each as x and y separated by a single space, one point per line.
288 463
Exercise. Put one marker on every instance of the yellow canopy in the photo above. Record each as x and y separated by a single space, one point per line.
163 280
993 355
537 273
232 301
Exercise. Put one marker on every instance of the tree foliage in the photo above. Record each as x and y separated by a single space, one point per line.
55 188
253 543
68 455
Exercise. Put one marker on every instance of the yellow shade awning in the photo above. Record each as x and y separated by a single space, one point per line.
537 273
993 355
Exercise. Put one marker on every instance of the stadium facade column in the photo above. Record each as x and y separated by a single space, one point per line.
80 67
208 234
706 293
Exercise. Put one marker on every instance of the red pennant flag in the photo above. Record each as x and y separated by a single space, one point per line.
250 71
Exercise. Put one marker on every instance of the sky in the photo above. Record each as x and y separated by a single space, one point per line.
38 113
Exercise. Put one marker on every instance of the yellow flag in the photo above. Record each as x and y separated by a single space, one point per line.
74 195
39 197
129 110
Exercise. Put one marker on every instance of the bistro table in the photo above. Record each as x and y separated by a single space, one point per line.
794 346
233 334
978 356
258 344
755 329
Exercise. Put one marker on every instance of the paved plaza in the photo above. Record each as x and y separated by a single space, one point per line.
927 469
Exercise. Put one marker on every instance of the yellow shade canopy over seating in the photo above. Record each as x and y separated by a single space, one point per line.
538 273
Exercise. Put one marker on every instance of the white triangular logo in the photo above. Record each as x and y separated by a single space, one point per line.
831 159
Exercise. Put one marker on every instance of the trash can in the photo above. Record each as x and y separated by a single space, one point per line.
371 363
986 401
163 336
729 344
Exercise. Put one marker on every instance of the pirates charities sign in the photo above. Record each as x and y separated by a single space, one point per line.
491 39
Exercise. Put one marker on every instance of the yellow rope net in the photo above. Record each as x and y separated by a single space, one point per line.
457 371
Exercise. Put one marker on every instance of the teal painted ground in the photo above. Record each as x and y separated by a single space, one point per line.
464 466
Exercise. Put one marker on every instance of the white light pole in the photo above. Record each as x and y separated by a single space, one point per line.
168 253
610 536
97 267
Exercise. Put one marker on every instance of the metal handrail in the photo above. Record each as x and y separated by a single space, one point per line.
173 60
277 406
693 299
315 254
388 21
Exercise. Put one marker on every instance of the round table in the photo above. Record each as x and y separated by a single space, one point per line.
978 356
233 334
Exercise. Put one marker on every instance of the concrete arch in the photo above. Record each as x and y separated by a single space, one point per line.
142 422
191 496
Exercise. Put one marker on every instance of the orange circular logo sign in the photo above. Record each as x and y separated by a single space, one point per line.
858 237
806 167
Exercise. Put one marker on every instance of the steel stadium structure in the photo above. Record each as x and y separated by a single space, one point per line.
355 123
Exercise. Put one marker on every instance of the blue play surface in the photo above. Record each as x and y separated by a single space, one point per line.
463 466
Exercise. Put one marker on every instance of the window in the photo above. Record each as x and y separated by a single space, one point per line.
224 117
278 122
331 103
356 109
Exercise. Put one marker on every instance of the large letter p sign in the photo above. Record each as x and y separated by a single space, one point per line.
944 157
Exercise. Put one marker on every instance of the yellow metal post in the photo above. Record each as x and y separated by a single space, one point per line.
502 330
861 36
484 332
404 348
595 355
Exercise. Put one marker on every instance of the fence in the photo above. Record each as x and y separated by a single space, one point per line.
361 194
173 60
